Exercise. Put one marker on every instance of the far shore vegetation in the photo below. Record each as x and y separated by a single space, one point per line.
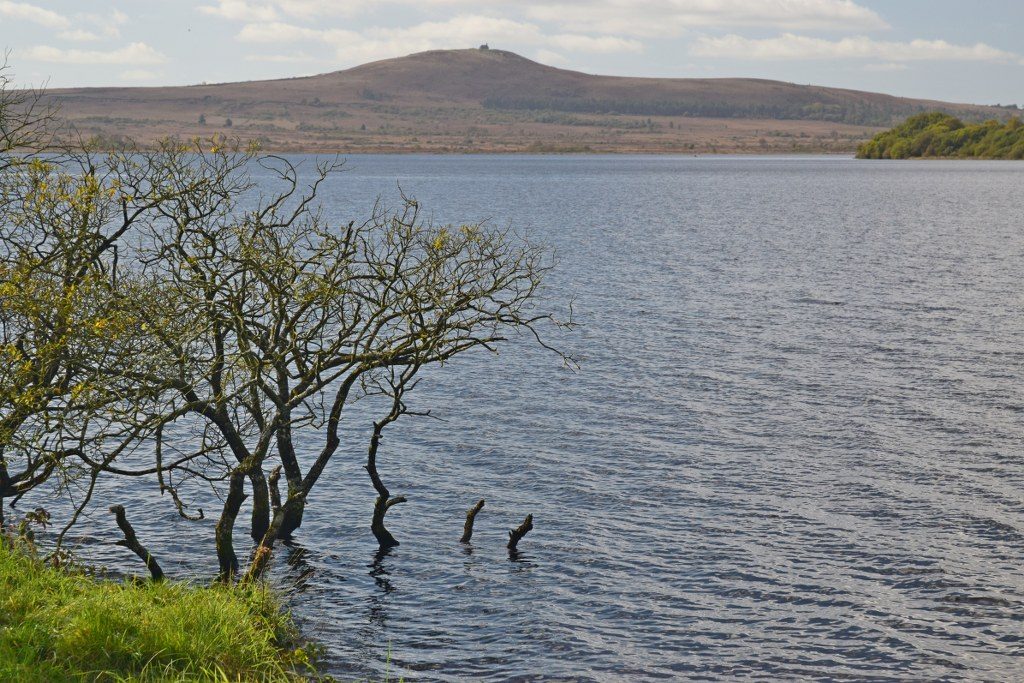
940 135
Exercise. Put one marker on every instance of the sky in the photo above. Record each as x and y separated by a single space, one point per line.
939 49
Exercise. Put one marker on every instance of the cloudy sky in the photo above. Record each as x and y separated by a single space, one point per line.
942 49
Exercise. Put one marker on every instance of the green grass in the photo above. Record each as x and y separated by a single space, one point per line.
58 625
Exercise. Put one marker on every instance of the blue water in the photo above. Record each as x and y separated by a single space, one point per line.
793 450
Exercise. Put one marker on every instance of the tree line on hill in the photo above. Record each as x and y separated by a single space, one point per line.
936 134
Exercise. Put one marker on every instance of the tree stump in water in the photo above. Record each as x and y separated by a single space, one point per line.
380 532
467 531
516 535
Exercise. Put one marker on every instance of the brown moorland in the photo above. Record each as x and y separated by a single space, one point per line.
483 100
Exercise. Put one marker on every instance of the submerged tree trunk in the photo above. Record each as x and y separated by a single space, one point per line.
380 532
260 504
275 491
467 530
261 558
516 535
292 513
384 500
293 475
225 546
299 486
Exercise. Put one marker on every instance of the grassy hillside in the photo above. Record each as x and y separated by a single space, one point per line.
940 135
492 100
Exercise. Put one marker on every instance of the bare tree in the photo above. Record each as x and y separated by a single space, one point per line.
149 291
26 122
272 321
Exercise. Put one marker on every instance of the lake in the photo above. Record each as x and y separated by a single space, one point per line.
793 449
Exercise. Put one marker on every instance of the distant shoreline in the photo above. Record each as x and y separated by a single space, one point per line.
527 150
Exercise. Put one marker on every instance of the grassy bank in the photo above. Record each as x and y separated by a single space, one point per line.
68 626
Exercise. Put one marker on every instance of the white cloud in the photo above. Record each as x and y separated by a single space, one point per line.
886 66
627 17
78 35
672 17
792 14
308 9
280 10
550 57
354 47
239 10
297 58
598 44
134 53
789 47
278 32
102 26
38 15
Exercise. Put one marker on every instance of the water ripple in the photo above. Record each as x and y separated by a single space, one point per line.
793 451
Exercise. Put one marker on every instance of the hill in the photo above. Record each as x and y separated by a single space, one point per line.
940 135
492 100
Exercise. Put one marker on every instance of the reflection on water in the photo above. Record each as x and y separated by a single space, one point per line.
377 603
299 571
793 450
